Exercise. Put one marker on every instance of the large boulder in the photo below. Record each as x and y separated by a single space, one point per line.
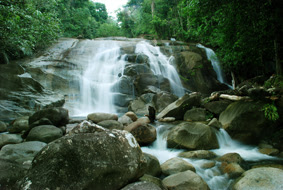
260 179
195 114
162 100
217 107
10 173
153 166
138 106
10 139
98 117
198 74
97 159
3 127
178 108
19 125
245 121
142 185
143 132
44 133
23 152
198 154
192 136
111 124
176 165
58 116
185 180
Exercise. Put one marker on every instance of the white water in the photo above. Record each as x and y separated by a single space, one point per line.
211 56
102 68
213 176
100 75
161 65
227 145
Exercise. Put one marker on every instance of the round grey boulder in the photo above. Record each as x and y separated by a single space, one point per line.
260 179
103 160
44 133
187 180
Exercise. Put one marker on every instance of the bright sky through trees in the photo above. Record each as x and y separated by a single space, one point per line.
112 5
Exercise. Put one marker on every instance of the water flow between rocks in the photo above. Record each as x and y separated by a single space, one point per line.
215 64
161 65
213 176
103 70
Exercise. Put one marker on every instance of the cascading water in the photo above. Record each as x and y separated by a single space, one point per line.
215 64
161 65
103 64
212 176
103 70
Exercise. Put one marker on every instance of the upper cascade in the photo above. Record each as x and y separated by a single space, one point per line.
161 65
215 64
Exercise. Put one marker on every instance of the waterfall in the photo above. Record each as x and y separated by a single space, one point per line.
102 74
103 70
161 65
211 56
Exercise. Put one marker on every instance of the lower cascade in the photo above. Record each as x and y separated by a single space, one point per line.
212 176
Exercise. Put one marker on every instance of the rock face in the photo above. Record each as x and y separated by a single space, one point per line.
245 121
58 116
260 179
21 94
178 108
111 124
100 160
185 180
192 136
194 66
44 133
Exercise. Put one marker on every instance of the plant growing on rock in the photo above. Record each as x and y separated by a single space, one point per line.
270 112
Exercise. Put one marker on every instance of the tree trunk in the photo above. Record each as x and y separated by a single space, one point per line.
277 58
152 8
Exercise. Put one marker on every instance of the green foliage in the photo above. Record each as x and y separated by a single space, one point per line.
25 28
109 29
270 112
274 81
242 32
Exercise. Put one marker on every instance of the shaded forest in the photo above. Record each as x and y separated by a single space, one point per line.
245 34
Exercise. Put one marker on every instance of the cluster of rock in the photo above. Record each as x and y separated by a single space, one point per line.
49 150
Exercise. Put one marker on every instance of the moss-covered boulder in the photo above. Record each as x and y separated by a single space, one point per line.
192 136
245 121
103 159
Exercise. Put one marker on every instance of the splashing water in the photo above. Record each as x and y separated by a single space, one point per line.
100 75
211 56
213 176
161 65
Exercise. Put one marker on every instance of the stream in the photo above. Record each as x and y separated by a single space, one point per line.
213 176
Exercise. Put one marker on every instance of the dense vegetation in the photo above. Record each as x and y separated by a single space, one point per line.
245 33
27 25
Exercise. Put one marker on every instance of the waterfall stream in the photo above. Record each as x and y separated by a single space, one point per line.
102 71
213 176
161 65
215 64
